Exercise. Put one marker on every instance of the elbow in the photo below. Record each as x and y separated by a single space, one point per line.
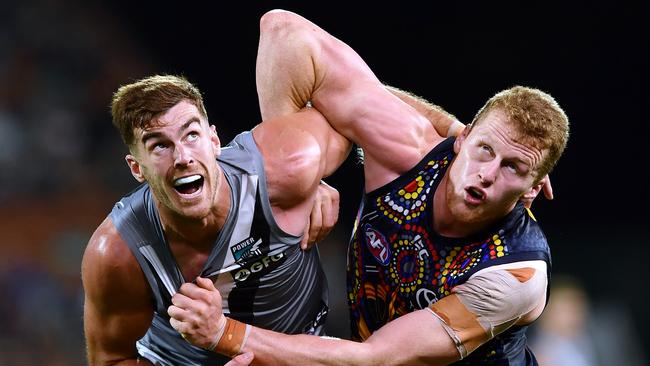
277 20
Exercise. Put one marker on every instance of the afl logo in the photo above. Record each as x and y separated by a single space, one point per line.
377 244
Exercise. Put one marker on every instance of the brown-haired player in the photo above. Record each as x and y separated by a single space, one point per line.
234 214
446 265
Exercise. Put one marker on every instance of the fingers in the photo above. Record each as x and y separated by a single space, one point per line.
315 223
330 212
177 312
197 297
196 312
180 326
304 242
241 360
205 283
324 214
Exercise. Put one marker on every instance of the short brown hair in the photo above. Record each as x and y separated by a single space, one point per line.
539 119
136 105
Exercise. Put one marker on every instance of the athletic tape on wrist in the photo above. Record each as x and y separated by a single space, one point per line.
233 338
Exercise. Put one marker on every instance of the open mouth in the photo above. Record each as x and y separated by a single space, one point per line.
475 194
188 185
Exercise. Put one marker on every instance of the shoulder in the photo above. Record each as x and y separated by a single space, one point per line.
240 155
107 248
523 233
492 301
109 270
513 289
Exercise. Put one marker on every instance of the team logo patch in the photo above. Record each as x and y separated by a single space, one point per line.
377 244
255 270
246 249
425 297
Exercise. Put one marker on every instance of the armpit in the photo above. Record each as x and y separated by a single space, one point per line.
489 303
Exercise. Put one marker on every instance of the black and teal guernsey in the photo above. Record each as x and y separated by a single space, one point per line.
264 277
397 263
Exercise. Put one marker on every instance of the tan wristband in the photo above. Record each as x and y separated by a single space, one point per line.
233 338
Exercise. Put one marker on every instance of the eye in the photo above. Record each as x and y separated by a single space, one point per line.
511 166
192 136
158 146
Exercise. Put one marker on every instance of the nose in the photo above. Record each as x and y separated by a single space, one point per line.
182 156
488 173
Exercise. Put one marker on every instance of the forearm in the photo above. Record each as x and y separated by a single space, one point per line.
417 338
285 75
445 123
299 62
271 348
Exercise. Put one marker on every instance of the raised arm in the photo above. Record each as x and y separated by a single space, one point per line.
117 304
298 61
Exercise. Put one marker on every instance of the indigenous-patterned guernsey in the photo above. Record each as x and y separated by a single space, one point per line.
264 277
397 263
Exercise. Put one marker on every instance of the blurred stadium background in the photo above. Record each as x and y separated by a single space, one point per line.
62 162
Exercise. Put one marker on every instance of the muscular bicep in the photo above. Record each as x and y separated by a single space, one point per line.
492 301
392 134
298 150
117 306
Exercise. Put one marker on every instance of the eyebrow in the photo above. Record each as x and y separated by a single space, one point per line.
155 134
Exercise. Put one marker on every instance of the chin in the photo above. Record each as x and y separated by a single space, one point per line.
193 213
469 214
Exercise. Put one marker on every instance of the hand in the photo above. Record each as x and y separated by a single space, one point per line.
197 314
546 187
241 360
324 215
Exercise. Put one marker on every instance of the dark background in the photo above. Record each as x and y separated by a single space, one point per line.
62 161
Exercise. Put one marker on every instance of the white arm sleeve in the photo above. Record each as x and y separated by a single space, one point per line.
491 301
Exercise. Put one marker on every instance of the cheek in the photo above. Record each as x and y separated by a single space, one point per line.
511 192
155 172
205 149
462 169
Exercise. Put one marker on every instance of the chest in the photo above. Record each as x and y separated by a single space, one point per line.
189 259
416 267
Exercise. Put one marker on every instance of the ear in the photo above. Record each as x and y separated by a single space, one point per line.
532 192
214 138
461 139
134 166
